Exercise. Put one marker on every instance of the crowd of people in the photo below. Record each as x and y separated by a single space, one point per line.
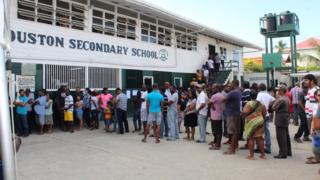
238 113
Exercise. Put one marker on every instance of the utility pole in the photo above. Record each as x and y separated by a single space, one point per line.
6 137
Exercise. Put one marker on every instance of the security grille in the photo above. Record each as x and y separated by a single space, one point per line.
102 77
72 76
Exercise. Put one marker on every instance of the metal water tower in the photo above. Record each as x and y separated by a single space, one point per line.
272 26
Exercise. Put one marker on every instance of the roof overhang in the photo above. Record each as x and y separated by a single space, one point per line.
157 12
302 74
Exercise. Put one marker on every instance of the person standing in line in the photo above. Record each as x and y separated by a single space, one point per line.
68 111
315 132
104 98
311 82
254 112
49 113
136 112
108 113
173 114
303 127
191 119
266 99
233 103
244 99
40 109
217 62
182 104
154 104
226 90
31 113
87 107
79 106
281 106
202 111
164 128
59 112
143 112
22 111
295 101
94 109
216 104
121 104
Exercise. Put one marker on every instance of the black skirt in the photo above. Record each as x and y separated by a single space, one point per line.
191 120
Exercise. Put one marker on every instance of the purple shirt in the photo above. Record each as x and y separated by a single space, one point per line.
233 102
217 103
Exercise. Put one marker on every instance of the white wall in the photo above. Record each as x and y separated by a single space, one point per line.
179 60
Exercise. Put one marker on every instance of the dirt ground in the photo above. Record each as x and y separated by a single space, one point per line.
96 155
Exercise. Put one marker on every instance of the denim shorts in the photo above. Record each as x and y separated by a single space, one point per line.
154 117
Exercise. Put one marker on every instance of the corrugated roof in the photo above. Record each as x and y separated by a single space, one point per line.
160 13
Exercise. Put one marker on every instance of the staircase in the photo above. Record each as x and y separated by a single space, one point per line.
221 77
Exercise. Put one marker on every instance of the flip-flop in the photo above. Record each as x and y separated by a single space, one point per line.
312 161
143 140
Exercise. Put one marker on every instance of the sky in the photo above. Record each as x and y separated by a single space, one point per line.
240 18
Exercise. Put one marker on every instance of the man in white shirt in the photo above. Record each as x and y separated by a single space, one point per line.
172 116
202 110
210 63
311 82
265 98
143 111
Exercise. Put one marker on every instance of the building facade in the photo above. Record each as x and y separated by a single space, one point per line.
103 43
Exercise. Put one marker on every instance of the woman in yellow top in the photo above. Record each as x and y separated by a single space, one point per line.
254 113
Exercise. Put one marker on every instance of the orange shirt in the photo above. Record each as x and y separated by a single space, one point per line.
107 113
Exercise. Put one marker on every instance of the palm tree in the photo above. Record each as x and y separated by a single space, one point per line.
281 46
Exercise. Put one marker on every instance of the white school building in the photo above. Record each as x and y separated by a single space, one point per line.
110 43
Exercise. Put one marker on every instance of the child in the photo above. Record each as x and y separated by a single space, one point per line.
79 111
108 116
48 116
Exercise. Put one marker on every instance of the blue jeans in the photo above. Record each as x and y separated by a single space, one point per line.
202 122
164 129
172 118
101 115
224 120
137 120
23 125
267 133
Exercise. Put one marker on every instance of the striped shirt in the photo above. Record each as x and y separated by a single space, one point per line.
122 101
295 94
310 101
67 102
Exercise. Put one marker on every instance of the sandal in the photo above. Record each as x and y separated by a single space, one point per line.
229 152
312 161
144 140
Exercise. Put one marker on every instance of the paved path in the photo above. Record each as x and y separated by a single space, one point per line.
96 155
